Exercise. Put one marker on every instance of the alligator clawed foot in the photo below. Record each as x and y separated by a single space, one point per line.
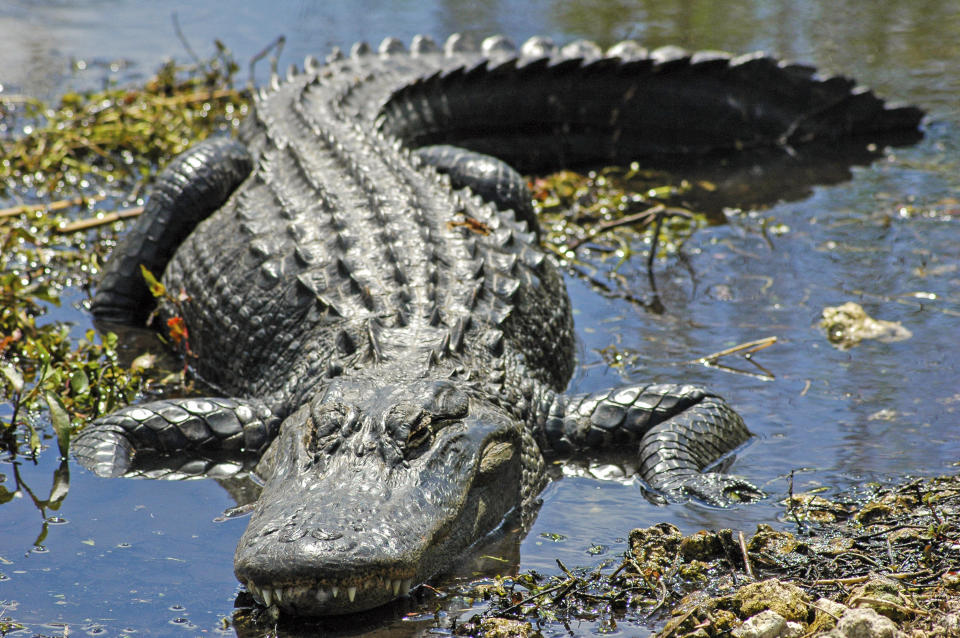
719 490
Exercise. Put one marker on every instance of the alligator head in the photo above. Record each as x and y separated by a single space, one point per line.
375 488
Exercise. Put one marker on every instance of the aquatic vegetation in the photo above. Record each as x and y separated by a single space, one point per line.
102 145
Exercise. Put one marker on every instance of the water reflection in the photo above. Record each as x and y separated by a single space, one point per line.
59 487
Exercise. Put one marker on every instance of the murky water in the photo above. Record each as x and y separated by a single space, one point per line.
148 558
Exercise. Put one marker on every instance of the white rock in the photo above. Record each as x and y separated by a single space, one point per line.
865 623
766 624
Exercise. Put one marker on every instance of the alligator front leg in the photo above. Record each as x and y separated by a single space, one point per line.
675 430
174 438
196 183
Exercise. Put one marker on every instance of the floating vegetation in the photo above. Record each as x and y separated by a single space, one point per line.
607 209
119 135
849 324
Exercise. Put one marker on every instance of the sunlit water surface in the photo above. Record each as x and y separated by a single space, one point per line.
148 558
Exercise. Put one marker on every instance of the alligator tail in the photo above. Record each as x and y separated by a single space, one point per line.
543 109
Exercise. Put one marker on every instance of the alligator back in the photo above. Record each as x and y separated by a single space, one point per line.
342 252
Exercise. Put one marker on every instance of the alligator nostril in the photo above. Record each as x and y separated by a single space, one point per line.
322 535
291 532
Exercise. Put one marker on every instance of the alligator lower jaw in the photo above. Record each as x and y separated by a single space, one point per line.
327 598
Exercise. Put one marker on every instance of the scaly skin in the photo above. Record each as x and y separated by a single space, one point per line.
396 348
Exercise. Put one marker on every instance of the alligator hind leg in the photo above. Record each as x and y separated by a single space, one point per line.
174 438
676 431
491 178
196 183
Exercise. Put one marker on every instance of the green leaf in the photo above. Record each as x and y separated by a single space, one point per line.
13 376
34 438
61 422
79 383
157 289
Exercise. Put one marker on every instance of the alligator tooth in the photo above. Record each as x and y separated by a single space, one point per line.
334 590
396 586
351 593
278 594
267 596
323 594
405 586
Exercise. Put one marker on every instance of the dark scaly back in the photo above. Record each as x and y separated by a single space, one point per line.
341 254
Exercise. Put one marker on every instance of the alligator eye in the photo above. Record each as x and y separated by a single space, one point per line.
419 438
495 456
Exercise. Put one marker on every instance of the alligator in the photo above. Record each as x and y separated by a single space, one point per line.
361 281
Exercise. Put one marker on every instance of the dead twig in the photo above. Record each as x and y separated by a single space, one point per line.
750 347
93 222
746 556
61 204
856 580
643 217
880 601
747 349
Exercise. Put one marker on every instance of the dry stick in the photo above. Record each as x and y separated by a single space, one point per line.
880 601
746 556
13 211
109 218
749 346
643 217
651 256
856 580
821 609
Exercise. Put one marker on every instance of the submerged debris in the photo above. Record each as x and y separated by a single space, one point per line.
886 563
849 324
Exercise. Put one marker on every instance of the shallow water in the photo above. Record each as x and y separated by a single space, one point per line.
125 556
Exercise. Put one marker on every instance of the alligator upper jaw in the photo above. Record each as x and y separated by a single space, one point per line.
334 596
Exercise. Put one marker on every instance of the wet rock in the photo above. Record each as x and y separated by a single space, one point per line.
771 541
951 580
787 600
872 512
827 613
883 596
815 508
864 623
701 546
506 628
847 325
653 548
